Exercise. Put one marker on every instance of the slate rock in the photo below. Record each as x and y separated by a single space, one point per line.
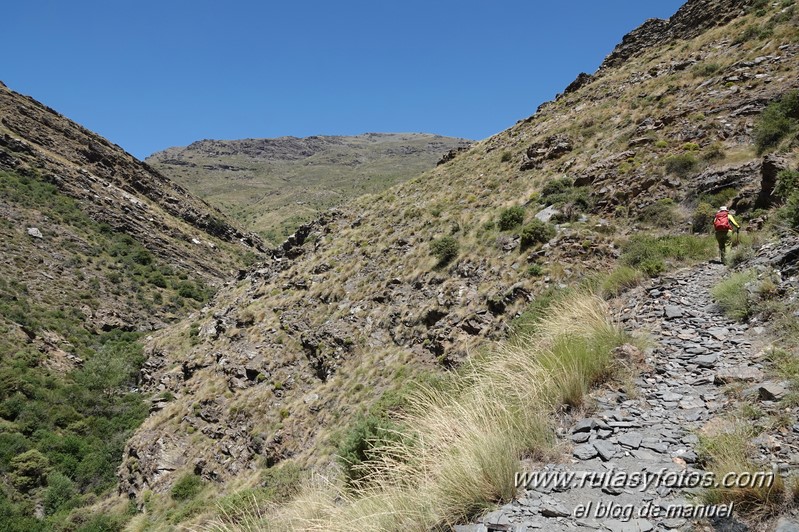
584 425
738 374
771 391
585 451
786 525
605 449
554 509
673 312
630 439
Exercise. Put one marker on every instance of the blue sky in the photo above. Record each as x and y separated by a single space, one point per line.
152 74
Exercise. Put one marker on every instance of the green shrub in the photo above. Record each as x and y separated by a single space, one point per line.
364 441
535 270
702 218
506 157
187 487
59 494
282 481
536 232
707 69
714 152
787 183
660 144
28 470
732 295
444 249
619 280
790 211
511 217
648 253
557 186
652 266
681 164
776 121
658 213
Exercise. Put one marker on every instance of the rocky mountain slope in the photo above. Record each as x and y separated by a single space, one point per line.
353 305
96 249
274 185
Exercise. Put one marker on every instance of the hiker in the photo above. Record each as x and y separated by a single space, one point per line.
723 223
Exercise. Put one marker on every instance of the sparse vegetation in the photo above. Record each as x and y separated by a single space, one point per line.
445 249
732 295
511 217
536 232
776 122
461 448
681 165
649 253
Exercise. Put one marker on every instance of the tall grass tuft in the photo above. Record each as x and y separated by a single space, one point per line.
732 295
730 452
461 447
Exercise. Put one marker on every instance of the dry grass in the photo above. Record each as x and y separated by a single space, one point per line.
462 445
729 450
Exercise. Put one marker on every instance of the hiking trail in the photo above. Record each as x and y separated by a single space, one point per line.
651 435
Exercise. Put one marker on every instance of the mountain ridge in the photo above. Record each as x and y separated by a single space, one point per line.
274 185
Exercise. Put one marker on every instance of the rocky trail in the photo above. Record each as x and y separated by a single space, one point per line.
636 457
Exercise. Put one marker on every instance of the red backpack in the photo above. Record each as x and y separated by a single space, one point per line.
722 222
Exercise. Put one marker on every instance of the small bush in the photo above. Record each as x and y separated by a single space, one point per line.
707 69
653 266
787 183
363 442
444 249
776 122
187 487
790 211
663 210
702 218
681 165
619 280
511 217
536 232
732 295
714 152
557 186
535 270
506 157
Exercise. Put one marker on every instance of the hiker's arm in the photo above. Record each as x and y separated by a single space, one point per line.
734 223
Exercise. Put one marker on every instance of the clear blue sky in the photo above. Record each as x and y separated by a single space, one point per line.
152 74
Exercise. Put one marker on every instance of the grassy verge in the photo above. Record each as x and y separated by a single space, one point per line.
651 254
730 452
460 449
733 296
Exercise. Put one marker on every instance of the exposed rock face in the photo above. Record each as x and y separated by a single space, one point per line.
550 148
125 193
694 17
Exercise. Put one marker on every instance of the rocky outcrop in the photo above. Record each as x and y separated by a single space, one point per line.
123 192
694 17
550 148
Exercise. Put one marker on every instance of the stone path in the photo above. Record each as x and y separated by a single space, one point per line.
651 436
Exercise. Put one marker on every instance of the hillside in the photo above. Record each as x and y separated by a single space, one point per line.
355 305
272 186
96 251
